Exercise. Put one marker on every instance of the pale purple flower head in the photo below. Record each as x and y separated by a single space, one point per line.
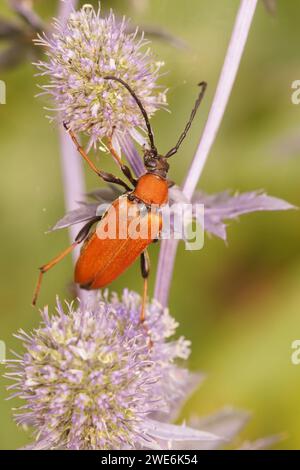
84 51
90 380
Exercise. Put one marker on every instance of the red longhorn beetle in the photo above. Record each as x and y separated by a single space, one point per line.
103 260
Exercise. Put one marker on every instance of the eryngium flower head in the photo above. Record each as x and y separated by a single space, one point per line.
90 379
84 51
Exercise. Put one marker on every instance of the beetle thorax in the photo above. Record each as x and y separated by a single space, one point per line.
152 189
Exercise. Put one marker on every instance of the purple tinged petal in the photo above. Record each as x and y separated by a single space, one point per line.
174 436
217 209
107 194
176 195
263 443
86 211
227 423
132 155
193 382
76 216
222 206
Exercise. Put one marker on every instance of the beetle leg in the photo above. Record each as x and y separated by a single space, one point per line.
145 270
107 177
43 269
124 168
170 183
83 233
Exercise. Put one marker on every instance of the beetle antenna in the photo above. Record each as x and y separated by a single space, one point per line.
140 105
173 150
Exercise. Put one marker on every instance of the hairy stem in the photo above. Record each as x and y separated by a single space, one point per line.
72 172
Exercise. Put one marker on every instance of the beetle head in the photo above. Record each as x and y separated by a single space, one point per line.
155 163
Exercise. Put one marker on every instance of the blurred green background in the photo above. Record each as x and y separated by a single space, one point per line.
239 304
